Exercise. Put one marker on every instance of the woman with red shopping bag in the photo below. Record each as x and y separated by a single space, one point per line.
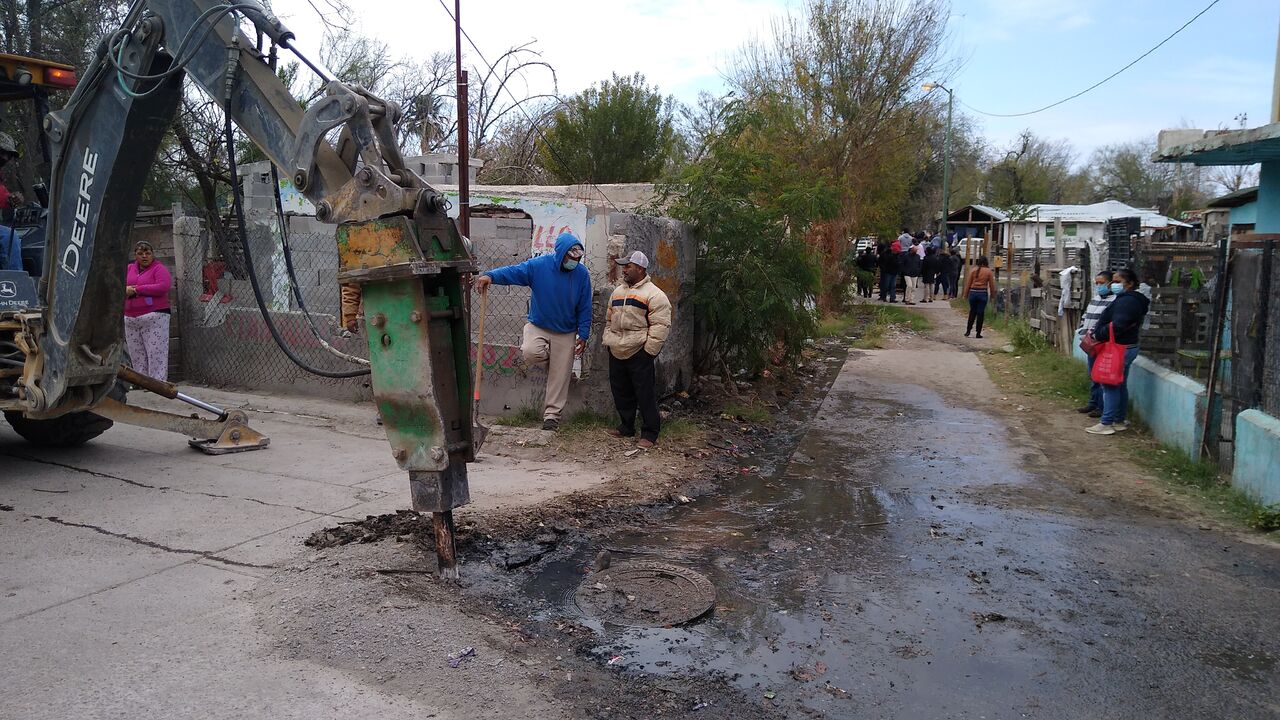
1117 329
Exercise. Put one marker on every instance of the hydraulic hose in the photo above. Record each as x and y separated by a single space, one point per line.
238 205
293 278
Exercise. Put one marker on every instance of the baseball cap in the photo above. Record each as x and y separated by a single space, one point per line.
635 258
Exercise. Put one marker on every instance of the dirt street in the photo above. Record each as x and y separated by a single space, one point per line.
913 542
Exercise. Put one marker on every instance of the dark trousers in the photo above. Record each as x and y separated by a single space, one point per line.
634 385
977 309
888 284
1095 390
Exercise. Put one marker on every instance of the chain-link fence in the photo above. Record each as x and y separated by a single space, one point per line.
225 340
501 238
226 343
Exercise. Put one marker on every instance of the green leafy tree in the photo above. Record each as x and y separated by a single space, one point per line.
853 71
1035 170
620 131
751 207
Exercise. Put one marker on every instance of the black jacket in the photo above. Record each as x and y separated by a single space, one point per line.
888 263
1126 313
911 264
866 261
932 266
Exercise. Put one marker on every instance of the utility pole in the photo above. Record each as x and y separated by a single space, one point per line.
464 154
946 154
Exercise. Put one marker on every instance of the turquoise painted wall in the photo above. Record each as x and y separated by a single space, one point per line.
1246 214
1257 456
1169 403
1269 198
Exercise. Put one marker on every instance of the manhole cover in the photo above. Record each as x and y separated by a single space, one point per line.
646 594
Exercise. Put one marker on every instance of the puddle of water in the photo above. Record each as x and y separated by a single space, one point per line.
810 557
1255 666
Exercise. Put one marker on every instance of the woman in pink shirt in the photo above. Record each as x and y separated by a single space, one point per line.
146 313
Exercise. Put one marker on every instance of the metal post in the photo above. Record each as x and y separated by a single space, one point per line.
1275 89
464 154
1059 244
946 166
1210 430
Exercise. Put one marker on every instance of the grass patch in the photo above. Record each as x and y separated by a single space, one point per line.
588 421
1044 372
678 428
1202 479
1027 339
748 413
870 323
526 416
836 326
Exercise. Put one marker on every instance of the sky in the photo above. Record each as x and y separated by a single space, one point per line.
1007 56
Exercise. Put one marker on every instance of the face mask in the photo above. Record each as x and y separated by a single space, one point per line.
1102 290
569 264
1117 288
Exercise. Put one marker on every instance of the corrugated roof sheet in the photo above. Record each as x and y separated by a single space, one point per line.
1096 213
1102 212
993 212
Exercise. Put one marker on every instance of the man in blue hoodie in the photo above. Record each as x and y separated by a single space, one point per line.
559 315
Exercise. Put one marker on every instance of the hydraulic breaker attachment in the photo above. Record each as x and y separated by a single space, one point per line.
412 272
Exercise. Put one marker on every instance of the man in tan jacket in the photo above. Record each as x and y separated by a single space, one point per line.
636 327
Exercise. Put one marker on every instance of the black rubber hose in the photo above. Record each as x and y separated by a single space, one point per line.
253 274
293 278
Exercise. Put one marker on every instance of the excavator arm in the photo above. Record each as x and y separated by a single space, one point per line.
394 237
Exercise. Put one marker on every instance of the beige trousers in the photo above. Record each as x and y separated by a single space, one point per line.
553 352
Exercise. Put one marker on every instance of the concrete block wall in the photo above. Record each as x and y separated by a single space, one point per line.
1257 456
502 239
1171 404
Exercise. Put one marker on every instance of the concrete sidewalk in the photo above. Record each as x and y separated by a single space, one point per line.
129 561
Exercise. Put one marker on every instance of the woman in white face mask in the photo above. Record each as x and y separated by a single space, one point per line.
1121 321
1102 297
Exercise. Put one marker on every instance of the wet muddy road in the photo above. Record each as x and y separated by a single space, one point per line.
907 560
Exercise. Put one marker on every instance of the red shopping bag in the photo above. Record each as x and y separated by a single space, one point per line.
1108 364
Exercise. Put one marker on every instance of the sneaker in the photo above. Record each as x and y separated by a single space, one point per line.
979 336
1085 410
1095 413
1121 426
1100 429
551 425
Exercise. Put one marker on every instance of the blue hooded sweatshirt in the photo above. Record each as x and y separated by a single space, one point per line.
561 299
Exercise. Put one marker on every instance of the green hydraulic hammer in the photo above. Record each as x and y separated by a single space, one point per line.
413 273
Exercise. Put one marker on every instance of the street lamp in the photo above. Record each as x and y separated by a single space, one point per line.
946 154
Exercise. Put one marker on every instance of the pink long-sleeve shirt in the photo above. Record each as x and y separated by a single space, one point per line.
153 289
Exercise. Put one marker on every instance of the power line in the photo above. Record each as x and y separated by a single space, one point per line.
1135 61
534 125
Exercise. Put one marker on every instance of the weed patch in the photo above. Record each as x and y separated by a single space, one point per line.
1202 479
748 413
526 416
1046 373
679 428
870 323
587 421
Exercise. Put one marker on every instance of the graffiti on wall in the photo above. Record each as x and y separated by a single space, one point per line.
500 359
550 217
